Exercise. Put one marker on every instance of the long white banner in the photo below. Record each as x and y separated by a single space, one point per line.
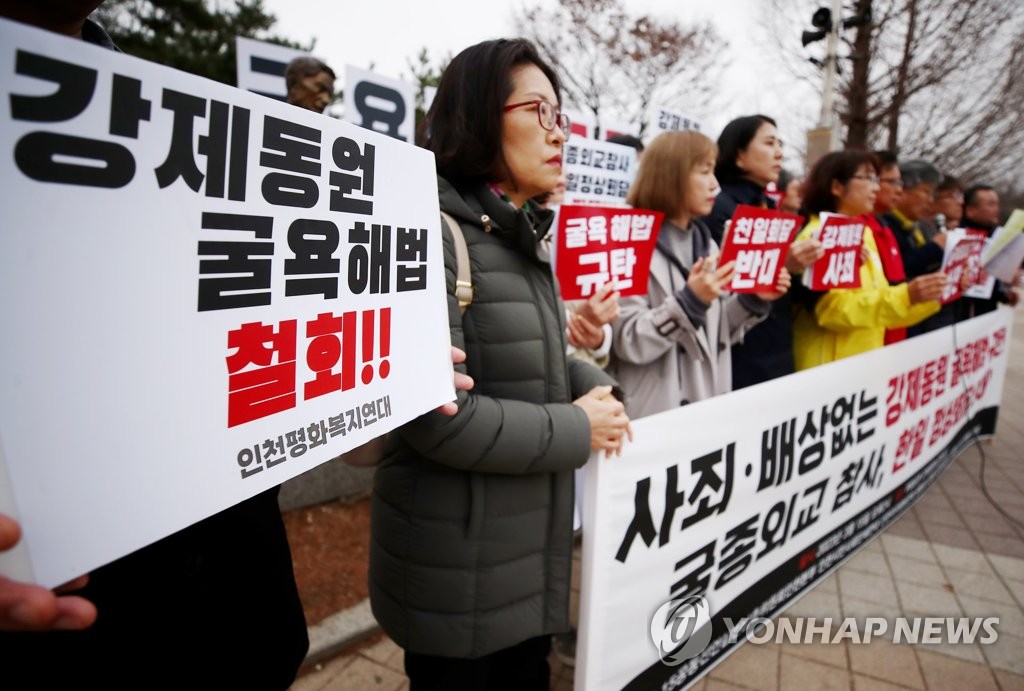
203 293
734 506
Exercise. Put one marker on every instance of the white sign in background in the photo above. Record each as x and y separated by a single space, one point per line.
379 103
114 386
260 66
597 172
667 120
618 598
581 124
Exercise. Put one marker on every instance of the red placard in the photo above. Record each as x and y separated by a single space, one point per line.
962 265
598 244
841 237
758 240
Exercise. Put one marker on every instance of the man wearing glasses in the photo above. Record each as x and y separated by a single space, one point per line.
921 254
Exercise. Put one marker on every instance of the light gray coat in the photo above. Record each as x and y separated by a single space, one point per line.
660 357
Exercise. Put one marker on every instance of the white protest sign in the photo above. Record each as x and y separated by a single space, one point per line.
597 172
665 119
615 129
380 103
740 519
205 293
581 124
260 66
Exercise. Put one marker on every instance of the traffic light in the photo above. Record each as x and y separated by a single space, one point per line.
822 21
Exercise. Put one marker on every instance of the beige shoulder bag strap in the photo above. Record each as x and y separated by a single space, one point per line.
463 278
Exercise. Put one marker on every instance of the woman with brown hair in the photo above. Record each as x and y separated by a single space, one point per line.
672 346
847 321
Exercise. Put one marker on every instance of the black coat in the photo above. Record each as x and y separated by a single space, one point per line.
766 351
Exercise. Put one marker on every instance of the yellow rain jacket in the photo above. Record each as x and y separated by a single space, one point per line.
848 321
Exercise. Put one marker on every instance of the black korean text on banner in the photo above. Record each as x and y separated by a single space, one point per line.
379 103
224 250
777 503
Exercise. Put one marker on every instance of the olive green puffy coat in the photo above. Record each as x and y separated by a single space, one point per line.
472 516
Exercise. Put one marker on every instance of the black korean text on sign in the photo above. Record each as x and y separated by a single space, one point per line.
240 275
71 159
359 169
293 152
369 259
373 117
313 244
411 259
226 152
736 550
297 442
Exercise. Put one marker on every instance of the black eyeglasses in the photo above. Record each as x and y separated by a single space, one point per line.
895 182
547 114
871 179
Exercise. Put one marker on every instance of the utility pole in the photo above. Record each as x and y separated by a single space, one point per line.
828 23
828 90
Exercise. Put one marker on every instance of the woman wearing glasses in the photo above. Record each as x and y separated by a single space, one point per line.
472 516
847 321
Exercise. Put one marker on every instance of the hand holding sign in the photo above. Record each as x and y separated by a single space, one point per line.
927 288
602 307
962 263
782 287
802 254
608 420
708 281
28 607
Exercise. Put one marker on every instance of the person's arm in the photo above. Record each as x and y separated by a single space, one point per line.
28 607
906 304
500 435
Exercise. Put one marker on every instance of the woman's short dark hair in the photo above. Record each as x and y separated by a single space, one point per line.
736 137
838 165
464 124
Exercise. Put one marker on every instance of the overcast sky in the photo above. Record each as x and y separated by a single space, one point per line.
388 32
